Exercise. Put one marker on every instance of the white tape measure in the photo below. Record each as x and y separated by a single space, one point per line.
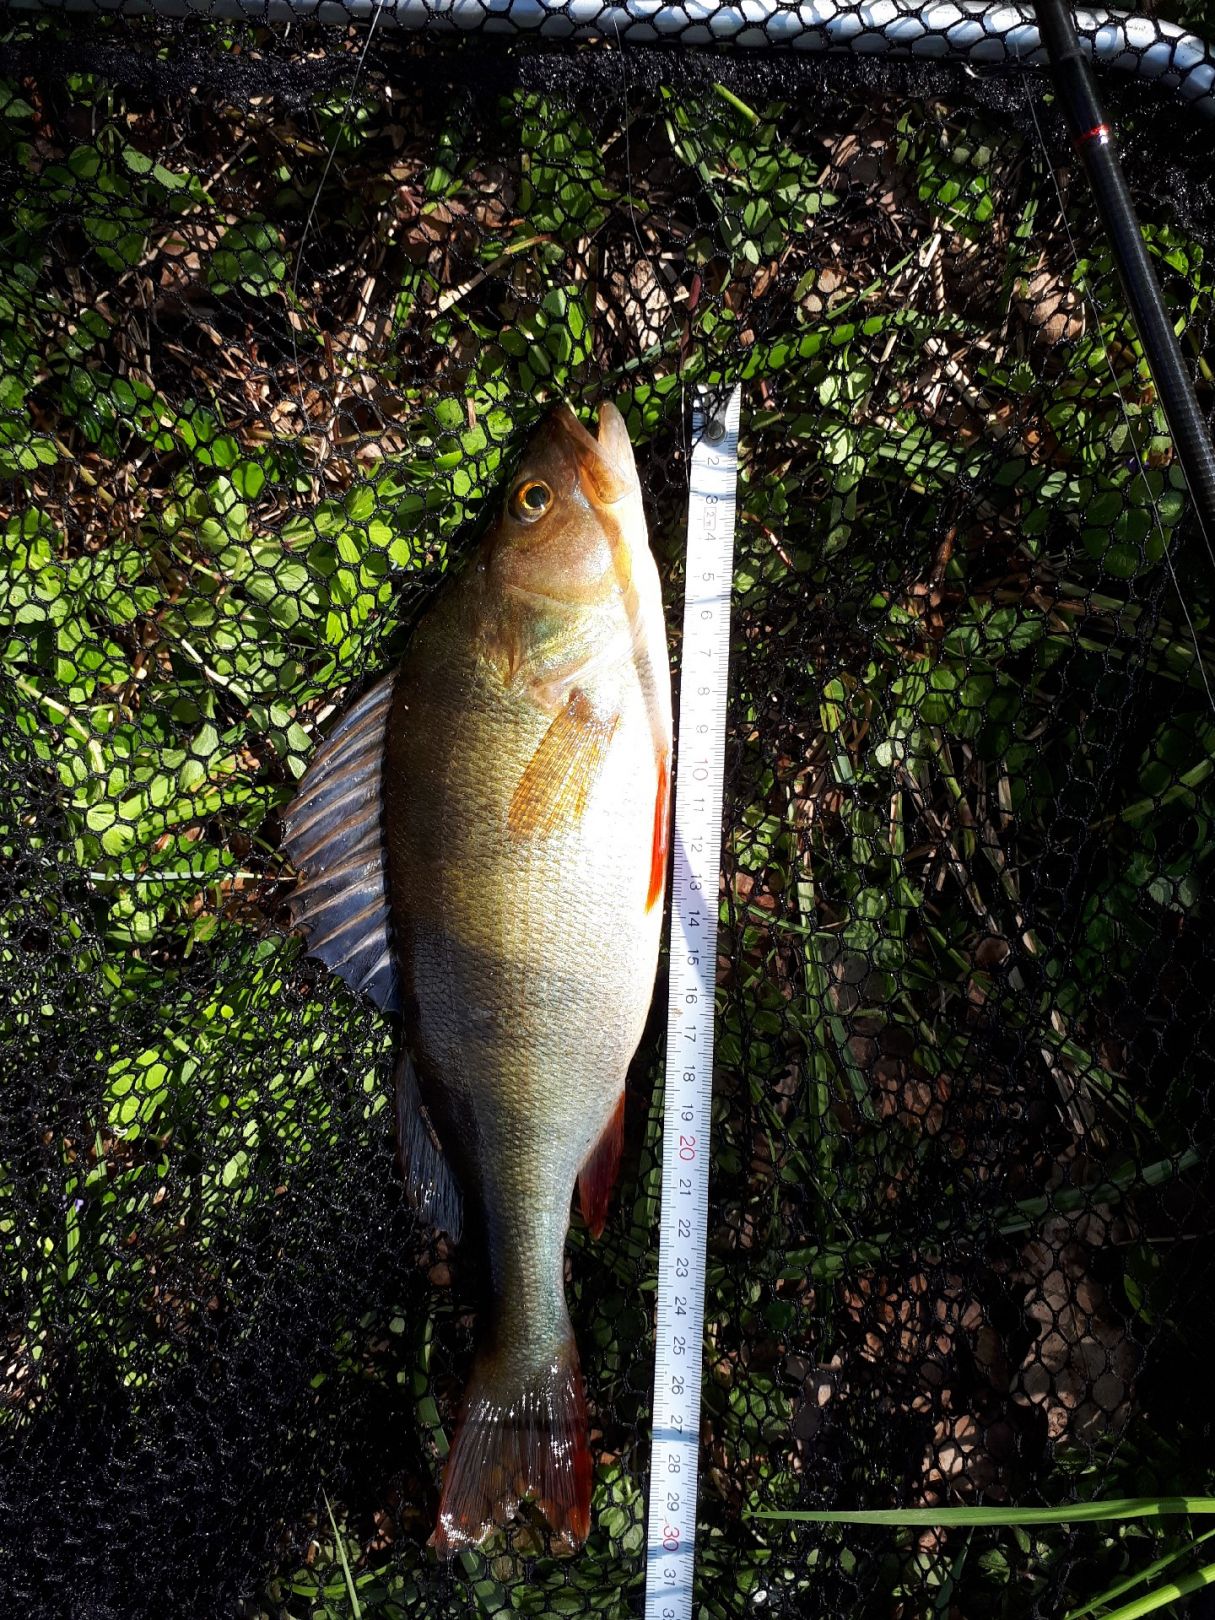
671 1542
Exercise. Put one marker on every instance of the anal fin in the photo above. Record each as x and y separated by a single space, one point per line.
598 1175
334 838
429 1179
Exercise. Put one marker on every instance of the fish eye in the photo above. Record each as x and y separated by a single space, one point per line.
531 500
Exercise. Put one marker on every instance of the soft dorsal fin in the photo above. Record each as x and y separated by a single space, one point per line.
428 1176
598 1175
334 838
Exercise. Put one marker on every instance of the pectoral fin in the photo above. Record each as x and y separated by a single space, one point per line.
554 789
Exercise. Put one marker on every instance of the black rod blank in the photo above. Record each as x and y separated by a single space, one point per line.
1094 142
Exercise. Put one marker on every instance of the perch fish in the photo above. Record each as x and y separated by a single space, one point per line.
482 845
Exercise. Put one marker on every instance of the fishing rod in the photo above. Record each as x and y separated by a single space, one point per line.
1093 139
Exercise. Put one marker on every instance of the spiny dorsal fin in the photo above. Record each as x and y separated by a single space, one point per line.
428 1176
334 839
554 789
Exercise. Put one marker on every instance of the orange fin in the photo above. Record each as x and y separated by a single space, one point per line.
554 789
598 1175
516 1439
662 833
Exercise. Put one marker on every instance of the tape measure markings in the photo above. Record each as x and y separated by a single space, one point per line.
683 1232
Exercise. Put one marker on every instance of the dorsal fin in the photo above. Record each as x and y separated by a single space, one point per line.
428 1176
333 836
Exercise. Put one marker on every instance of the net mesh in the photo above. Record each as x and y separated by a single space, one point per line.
277 310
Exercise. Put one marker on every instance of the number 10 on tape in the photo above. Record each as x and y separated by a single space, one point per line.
671 1535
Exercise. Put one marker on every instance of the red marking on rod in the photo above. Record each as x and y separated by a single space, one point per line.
1099 133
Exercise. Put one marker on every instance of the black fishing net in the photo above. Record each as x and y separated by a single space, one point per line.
278 308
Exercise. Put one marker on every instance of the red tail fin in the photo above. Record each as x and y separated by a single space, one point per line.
529 1440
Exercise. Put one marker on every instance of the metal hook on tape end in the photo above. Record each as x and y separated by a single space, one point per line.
715 406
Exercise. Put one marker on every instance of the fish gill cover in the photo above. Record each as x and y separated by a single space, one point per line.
278 311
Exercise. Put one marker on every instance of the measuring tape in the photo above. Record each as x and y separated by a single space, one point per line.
671 1542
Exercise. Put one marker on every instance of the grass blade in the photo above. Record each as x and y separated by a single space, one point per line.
1124 1507
1152 1570
1151 1601
355 1608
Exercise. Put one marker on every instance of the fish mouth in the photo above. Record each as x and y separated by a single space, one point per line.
605 464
